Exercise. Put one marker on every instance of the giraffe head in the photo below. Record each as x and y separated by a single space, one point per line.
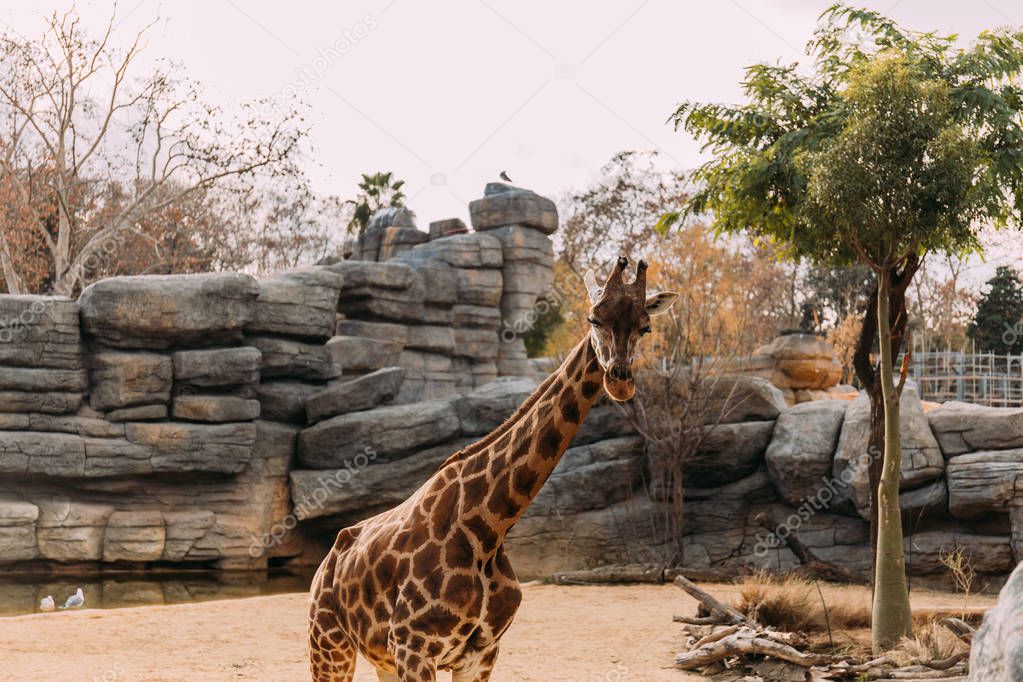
619 315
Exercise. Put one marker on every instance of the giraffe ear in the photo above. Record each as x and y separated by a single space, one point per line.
658 304
592 288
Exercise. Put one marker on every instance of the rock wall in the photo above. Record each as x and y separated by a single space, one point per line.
222 421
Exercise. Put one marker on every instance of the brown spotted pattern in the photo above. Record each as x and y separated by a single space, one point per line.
427 586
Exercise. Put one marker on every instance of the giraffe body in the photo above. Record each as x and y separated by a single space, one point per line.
427 585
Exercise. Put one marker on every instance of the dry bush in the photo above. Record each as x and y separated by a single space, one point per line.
931 641
794 604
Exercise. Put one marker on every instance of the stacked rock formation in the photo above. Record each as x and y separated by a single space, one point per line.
223 421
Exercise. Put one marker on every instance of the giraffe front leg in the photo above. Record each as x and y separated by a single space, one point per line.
481 668
411 665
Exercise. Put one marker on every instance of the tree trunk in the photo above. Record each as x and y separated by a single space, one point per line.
891 617
870 377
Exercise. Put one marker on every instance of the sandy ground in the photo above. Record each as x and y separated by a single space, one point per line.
585 634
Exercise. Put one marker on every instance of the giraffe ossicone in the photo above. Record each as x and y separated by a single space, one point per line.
427 585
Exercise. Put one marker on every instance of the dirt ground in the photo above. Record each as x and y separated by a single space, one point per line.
585 634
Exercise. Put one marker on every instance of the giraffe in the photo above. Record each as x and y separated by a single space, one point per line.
427 585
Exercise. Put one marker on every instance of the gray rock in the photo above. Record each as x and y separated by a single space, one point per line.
398 240
215 408
478 344
285 401
363 489
932 499
728 452
440 229
366 275
390 432
71 530
434 339
43 380
428 376
479 287
39 331
17 529
47 403
986 481
474 250
287 358
591 477
218 367
381 331
214 448
922 462
988 554
487 407
168 310
997 650
525 245
134 536
478 316
802 448
183 530
362 393
140 413
506 205
125 379
93 427
391 216
603 421
363 354
739 398
512 360
301 303
965 427
440 282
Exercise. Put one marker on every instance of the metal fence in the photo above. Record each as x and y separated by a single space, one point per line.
982 378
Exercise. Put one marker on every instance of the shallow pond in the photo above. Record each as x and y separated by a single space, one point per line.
21 593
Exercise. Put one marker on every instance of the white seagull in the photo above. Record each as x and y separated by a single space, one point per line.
46 604
75 601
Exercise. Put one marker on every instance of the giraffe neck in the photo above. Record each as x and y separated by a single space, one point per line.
502 477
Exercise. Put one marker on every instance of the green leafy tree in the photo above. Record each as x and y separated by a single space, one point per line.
998 323
377 191
895 144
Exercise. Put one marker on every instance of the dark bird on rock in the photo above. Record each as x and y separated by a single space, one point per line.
504 176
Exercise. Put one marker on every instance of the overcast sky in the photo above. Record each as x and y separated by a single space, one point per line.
448 93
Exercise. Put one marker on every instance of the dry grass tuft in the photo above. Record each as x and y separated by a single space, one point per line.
794 604
931 641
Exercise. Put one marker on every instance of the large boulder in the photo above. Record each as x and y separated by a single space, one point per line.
125 378
300 303
285 401
802 448
71 531
168 310
390 433
356 354
507 205
728 452
288 358
798 361
997 651
362 393
218 367
966 427
988 554
983 482
365 485
487 407
18 519
922 462
474 250
39 331
738 398
177 447
591 477
398 240
134 536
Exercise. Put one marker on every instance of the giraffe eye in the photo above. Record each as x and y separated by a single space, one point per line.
644 331
593 322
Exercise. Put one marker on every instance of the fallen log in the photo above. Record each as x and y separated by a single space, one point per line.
811 567
724 613
959 628
745 642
